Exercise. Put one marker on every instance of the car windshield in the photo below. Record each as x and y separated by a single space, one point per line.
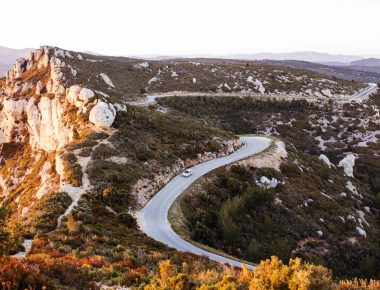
187 171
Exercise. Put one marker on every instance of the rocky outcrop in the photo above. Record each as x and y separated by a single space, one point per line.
41 112
37 109
41 121
270 159
103 115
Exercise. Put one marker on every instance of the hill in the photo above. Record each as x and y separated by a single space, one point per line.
308 56
79 158
343 71
371 62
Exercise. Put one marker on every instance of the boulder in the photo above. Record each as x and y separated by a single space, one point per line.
102 115
85 95
73 94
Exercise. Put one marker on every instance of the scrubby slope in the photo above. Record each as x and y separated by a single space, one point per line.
125 78
58 144
321 205
77 159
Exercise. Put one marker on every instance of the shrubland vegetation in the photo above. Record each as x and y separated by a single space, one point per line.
99 243
299 123
231 212
171 274
284 221
132 77
99 240
9 236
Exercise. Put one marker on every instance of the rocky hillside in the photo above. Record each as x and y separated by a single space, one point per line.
321 203
123 79
366 62
39 117
343 71
78 158
58 141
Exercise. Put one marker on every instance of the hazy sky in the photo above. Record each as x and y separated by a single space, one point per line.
140 27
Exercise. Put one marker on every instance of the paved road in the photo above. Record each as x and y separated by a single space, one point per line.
364 94
153 218
360 96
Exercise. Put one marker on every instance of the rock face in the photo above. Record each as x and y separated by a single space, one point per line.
103 115
27 114
40 115
43 121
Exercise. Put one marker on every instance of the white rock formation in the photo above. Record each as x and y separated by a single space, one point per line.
73 94
265 182
39 87
258 84
348 164
353 189
326 160
85 95
107 80
102 115
144 64
361 232
43 121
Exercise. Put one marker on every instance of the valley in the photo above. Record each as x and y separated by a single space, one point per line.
92 151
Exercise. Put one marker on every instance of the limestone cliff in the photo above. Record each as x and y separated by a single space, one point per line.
35 103
60 140
39 116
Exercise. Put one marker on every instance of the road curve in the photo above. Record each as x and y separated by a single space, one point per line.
364 94
153 218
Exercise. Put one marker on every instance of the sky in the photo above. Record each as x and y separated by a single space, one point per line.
183 27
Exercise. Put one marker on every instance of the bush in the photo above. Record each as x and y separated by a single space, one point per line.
127 219
273 274
290 170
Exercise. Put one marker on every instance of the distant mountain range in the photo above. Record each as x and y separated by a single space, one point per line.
303 56
309 56
370 62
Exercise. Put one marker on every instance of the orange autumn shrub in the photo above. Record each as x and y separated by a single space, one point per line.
359 284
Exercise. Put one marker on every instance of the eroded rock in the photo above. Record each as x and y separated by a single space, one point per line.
102 115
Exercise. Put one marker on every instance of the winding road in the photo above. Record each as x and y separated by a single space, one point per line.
364 94
153 218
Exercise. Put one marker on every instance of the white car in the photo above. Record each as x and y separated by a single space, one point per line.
187 173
